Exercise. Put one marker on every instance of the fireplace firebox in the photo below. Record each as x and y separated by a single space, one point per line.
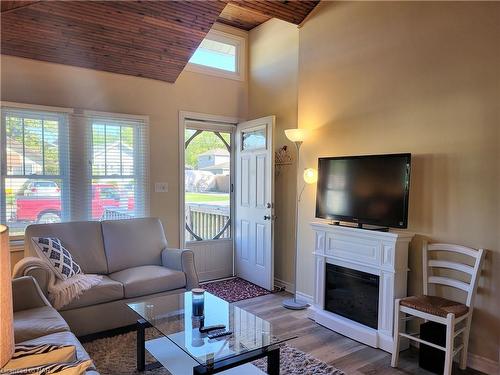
352 294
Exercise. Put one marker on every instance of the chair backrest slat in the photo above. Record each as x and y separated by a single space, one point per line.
453 248
451 265
431 265
449 282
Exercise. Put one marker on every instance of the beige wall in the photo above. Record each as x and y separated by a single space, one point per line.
419 77
273 73
34 82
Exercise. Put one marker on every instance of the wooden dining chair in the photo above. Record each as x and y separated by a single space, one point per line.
454 315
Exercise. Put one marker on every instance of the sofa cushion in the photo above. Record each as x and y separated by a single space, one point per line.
144 280
82 238
132 243
36 355
62 338
106 291
40 321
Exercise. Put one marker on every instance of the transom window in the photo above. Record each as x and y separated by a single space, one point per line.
215 54
219 54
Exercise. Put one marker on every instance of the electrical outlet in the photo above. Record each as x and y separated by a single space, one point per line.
161 187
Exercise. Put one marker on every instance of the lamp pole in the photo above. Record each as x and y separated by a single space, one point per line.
293 303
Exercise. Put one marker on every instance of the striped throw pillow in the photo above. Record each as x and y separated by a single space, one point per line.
68 368
37 355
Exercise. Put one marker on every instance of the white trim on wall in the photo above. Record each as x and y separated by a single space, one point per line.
287 286
483 364
125 116
476 362
36 107
305 297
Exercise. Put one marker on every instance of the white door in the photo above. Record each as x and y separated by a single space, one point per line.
254 253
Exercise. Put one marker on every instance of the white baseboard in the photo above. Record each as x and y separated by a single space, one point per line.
284 284
486 365
305 297
477 362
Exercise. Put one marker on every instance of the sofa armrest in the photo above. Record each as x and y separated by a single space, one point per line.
26 294
181 260
37 268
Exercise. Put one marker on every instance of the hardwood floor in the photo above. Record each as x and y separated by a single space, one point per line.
339 351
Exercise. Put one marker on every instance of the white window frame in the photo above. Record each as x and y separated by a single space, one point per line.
238 42
63 172
141 187
72 213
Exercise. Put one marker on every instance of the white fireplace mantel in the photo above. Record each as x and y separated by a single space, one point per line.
384 254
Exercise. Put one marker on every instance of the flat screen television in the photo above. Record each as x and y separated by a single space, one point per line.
372 189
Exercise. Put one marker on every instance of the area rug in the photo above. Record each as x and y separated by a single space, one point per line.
235 289
116 355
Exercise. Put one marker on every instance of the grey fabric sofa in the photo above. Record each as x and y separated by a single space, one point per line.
134 259
37 322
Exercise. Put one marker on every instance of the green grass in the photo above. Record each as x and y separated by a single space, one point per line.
206 197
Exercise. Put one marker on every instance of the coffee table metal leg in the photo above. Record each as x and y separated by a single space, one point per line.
141 344
273 362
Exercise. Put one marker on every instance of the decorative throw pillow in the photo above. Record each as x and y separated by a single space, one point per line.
59 259
62 368
37 355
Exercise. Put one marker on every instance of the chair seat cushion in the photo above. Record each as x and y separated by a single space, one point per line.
40 321
435 305
106 291
62 338
144 280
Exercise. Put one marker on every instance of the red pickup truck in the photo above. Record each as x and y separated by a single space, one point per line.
48 209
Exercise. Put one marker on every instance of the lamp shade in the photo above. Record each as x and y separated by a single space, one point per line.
296 135
310 176
6 312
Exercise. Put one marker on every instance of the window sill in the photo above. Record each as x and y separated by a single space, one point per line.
16 246
202 69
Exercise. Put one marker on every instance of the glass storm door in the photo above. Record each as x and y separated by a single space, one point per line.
208 196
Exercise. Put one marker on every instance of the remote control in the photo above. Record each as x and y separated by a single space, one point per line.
212 328
216 335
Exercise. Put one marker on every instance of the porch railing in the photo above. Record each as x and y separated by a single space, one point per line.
207 221
114 214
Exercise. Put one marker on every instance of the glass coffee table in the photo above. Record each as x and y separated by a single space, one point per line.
183 350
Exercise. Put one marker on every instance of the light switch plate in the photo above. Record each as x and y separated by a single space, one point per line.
161 187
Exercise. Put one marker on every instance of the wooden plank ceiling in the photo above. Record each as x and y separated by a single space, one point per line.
152 39
246 14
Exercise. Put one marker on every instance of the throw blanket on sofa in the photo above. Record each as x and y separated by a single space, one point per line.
61 292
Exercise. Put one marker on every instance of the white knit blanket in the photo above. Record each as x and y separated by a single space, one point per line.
61 292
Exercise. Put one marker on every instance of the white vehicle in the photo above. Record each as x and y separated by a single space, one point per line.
40 188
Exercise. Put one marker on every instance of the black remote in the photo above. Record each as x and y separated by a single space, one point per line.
216 335
212 328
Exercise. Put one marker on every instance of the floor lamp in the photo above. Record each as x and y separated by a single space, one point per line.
297 136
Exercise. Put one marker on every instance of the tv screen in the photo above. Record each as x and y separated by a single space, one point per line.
370 189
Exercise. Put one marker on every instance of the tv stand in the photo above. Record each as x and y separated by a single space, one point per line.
360 226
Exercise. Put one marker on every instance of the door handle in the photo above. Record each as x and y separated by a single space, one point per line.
267 217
